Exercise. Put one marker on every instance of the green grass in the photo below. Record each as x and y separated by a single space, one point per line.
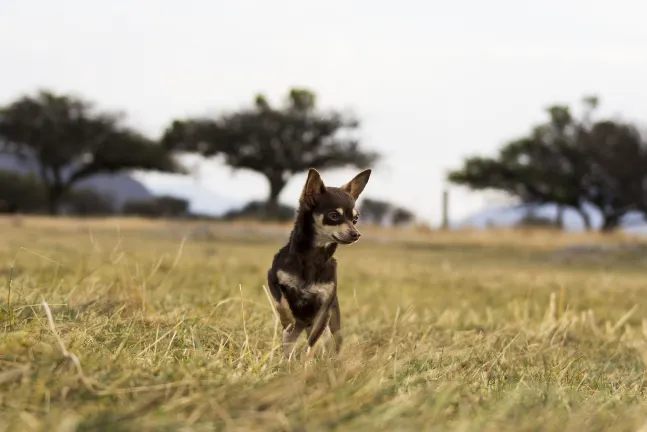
442 332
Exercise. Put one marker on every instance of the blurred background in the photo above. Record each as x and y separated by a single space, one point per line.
471 114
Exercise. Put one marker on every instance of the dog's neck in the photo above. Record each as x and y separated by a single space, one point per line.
303 245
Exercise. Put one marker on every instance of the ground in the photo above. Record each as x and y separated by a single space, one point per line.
166 326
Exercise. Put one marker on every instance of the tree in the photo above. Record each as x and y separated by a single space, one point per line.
274 142
402 216
68 140
569 162
617 183
543 167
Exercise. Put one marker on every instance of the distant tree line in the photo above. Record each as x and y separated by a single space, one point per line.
572 162
26 194
68 139
381 212
373 211
575 162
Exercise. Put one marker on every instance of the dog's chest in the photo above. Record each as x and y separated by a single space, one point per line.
319 290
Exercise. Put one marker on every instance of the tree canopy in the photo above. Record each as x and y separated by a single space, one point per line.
68 140
572 162
276 142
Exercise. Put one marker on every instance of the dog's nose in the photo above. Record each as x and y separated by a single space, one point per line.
355 235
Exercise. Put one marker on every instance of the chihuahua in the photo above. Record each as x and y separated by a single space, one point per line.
303 275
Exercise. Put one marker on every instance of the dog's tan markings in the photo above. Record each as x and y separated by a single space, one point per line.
340 211
285 315
355 213
334 324
288 279
319 221
322 290
320 322
323 232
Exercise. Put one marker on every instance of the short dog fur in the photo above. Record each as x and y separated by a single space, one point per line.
303 276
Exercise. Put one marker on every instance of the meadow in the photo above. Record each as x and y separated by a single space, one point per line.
126 324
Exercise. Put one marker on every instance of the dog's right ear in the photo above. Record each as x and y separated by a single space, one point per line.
357 184
313 189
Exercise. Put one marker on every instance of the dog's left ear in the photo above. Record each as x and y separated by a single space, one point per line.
357 184
313 188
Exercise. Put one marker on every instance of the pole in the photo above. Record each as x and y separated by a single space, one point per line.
445 222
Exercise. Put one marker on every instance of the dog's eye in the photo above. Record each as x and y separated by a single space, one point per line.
355 219
333 216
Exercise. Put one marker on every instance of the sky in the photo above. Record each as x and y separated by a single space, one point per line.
432 81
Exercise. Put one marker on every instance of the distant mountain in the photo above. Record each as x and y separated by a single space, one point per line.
129 186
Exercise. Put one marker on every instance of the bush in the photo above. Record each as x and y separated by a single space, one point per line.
21 194
375 211
383 213
172 206
164 206
86 202
532 220
402 216
257 210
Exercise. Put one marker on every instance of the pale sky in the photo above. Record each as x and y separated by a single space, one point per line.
432 81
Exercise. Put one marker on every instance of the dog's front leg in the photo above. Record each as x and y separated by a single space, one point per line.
290 336
313 340
284 312
318 326
335 324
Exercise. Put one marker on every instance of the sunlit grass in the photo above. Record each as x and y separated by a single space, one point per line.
172 329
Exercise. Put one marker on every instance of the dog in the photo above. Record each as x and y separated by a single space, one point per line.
303 275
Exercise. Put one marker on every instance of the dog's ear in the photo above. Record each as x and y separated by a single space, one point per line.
357 184
313 188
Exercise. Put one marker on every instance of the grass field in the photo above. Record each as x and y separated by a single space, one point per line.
162 326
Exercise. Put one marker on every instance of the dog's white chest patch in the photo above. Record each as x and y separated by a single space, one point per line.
321 290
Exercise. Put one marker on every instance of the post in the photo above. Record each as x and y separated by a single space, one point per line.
445 221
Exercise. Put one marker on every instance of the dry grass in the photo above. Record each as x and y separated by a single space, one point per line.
468 331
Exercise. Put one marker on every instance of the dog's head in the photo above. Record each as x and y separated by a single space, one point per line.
333 208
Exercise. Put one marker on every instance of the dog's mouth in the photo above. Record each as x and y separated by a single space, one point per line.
344 241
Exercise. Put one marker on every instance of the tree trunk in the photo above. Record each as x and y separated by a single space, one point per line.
54 195
277 183
55 187
586 219
559 220
610 222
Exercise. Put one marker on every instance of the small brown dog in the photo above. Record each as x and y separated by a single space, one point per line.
303 276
